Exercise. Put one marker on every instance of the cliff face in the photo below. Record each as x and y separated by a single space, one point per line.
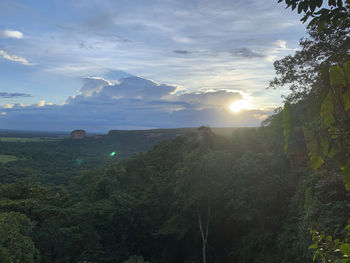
78 134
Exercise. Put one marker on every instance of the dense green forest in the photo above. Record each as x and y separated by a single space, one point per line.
276 193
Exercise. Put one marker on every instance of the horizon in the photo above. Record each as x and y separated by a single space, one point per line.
91 132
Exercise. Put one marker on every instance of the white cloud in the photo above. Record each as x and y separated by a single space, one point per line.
281 44
14 58
133 102
12 34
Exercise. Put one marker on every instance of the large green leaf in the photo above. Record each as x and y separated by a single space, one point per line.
313 148
336 75
327 109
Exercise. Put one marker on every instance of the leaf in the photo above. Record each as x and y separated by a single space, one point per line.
332 2
327 109
346 100
347 227
319 3
305 7
346 175
336 75
313 6
316 105
313 246
300 7
345 249
313 148
316 162
304 18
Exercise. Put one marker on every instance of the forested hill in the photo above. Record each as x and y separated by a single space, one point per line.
55 157
238 198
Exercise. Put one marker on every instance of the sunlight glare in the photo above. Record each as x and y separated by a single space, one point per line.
239 105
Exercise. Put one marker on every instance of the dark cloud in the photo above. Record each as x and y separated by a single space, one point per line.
13 95
131 103
182 52
245 53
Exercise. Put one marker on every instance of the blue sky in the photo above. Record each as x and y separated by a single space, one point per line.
103 64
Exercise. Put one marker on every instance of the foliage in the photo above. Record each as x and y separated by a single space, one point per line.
135 259
16 244
150 204
303 72
7 158
317 9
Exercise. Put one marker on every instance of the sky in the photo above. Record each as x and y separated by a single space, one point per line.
106 64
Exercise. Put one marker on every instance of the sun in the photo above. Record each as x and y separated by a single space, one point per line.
240 105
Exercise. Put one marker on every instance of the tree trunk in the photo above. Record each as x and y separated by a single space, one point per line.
204 235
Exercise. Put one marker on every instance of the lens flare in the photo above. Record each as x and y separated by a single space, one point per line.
112 154
79 161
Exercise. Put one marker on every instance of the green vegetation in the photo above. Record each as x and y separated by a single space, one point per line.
7 158
276 193
17 139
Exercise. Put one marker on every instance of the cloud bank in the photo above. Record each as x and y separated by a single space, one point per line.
131 103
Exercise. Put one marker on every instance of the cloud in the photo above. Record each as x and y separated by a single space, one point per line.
13 106
12 34
281 44
183 40
7 95
41 103
182 52
245 53
14 58
131 103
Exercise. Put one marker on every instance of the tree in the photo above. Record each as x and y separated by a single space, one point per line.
16 244
320 79
318 11
302 72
